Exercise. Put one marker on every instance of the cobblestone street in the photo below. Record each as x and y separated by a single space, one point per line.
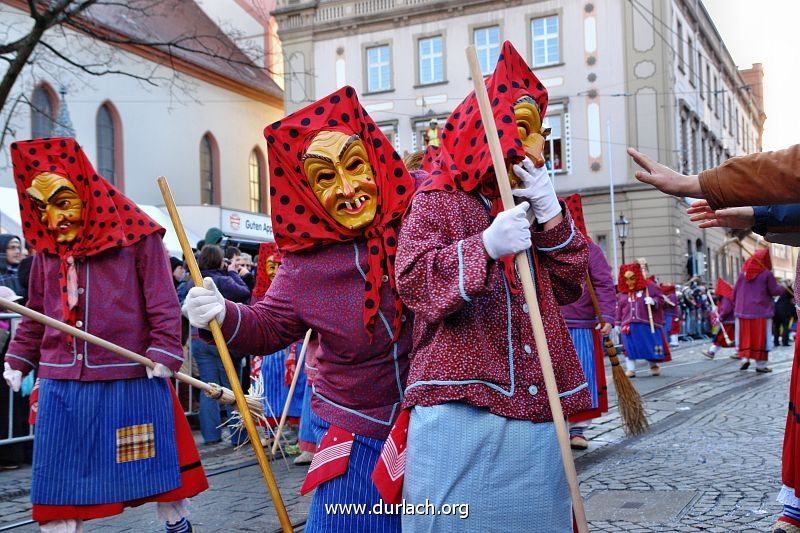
711 462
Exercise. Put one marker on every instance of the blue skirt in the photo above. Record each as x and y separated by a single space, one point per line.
641 343
355 487
306 432
583 339
273 370
508 472
103 442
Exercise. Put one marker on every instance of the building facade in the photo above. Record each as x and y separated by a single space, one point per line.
652 74
196 118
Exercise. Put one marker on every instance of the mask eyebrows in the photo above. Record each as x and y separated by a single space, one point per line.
60 190
353 138
312 155
527 99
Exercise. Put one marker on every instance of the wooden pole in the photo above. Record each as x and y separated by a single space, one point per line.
297 369
217 392
649 309
227 362
524 271
721 325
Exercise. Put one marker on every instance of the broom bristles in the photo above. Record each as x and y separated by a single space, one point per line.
629 401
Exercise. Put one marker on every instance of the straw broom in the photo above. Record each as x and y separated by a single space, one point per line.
227 362
629 401
531 299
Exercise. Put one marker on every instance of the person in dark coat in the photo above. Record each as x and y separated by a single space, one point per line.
784 313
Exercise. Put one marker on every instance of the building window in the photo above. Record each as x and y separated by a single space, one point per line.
602 241
379 69
390 130
419 138
700 87
256 179
724 102
106 144
779 251
431 60
208 163
544 36
43 112
708 81
730 114
736 125
679 36
487 47
555 143
690 52
685 144
716 96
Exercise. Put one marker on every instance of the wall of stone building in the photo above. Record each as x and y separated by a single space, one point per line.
161 127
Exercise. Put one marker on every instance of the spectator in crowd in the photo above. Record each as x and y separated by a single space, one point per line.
178 271
12 455
212 264
784 313
213 236
24 276
10 257
246 271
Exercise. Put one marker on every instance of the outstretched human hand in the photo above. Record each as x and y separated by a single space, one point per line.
664 178
733 217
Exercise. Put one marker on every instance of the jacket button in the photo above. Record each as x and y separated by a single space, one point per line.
80 290
78 324
80 357
527 348
385 278
533 390
524 308
402 318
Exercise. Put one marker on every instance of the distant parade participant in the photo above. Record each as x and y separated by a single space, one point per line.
659 311
672 313
587 333
338 191
480 421
641 338
726 336
753 293
756 179
110 433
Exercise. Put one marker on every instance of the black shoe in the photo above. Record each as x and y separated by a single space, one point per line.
745 365
763 370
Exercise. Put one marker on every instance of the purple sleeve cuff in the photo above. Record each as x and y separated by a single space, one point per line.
555 238
472 266
170 360
19 363
233 321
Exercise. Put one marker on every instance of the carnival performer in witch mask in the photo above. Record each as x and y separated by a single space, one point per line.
100 267
338 191
633 299
474 363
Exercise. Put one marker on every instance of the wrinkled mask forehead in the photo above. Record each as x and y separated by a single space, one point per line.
46 185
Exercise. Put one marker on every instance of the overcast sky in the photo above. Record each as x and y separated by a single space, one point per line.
767 32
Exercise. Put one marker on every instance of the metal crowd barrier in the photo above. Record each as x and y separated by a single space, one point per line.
186 394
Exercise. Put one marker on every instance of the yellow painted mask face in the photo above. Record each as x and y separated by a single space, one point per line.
630 279
59 205
272 267
338 169
529 128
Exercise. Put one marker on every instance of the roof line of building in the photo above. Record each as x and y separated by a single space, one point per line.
177 63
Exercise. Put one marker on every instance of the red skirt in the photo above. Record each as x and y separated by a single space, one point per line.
193 480
753 338
791 438
602 385
719 340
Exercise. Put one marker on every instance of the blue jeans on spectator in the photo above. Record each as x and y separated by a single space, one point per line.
212 371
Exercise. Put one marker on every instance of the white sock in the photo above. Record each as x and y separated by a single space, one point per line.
713 349
173 511
630 364
761 364
62 526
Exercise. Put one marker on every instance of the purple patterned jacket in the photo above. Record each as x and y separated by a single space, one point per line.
473 341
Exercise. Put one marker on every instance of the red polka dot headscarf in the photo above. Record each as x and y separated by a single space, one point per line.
636 268
574 204
265 251
299 220
463 161
110 219
757 263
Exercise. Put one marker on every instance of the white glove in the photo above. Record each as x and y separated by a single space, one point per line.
204 304
649 301
537 189
160 371
13 377
509 233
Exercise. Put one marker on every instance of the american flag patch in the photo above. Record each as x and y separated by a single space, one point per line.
135 443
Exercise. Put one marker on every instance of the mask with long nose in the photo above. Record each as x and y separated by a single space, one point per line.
59 205
339 172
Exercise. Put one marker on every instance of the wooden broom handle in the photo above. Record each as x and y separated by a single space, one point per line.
227 362
649 310
297 369
97 341
524 271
